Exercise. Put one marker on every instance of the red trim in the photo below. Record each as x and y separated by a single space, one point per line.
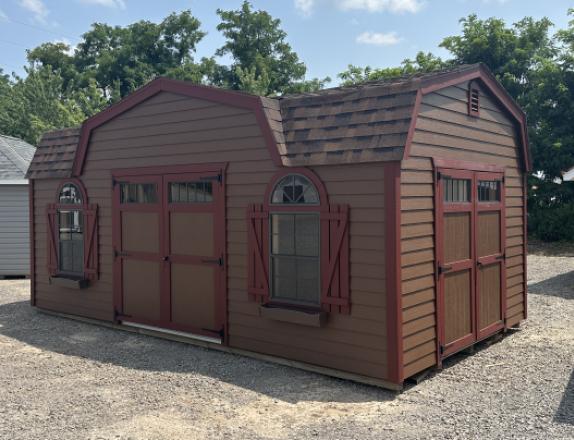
227 97
392 203
525 244
171 169
473 207
79 184
162 176
32 243
500 94
323 198
413 124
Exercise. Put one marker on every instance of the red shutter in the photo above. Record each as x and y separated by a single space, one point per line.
257 240
91 242
52 233
335 259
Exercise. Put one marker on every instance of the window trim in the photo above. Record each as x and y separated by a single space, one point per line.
316 208
83 208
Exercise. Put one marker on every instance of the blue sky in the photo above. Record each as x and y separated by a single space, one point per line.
327 34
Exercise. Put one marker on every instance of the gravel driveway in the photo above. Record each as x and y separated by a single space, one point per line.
62 379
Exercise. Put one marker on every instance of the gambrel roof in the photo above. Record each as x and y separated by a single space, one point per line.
373 121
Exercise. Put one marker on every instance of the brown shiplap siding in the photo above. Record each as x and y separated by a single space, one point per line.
445 130
170 129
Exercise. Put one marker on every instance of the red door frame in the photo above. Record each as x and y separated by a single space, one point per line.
498 258
458 266
456 168
166 174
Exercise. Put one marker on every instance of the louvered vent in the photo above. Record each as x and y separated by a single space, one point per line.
474 102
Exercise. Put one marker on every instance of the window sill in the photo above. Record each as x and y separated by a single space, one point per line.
69 282
301 317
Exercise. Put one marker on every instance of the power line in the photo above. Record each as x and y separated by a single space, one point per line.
60 35
13 43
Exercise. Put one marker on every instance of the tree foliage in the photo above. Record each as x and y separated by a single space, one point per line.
263 62
65 85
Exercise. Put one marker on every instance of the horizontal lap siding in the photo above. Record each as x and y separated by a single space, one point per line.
14 230
169 129
445 130
355 342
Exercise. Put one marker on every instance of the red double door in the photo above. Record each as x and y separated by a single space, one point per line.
168 237
470 257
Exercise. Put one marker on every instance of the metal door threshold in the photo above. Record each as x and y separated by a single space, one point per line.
173 332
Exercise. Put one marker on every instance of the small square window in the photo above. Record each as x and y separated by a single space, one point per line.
488 191
456 190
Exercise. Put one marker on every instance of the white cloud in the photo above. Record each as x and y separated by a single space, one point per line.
37 8
67 42
119 4
3 16
305 7
378 38
396 6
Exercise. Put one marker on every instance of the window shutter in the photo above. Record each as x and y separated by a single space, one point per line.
91 242
335 259
52 232
257 240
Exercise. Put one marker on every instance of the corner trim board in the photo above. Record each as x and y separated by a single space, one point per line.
392 204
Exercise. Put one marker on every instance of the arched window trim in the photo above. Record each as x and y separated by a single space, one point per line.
308 174
90 259
334 245
78 184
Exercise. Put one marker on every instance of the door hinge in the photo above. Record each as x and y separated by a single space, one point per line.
114 183
502 257
443 269
218 261
120 254
441 349
218 178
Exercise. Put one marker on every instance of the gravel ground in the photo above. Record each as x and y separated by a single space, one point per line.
62 379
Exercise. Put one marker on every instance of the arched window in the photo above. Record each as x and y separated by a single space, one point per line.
298 245
72 234
70 231
295 240
295 189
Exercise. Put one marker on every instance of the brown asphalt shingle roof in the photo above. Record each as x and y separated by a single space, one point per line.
362 123
55 154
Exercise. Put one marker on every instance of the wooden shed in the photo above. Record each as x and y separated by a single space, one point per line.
15 156
366 232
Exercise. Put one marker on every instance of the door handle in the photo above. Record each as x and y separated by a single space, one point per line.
166 258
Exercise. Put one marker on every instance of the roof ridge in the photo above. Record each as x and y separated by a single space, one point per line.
399 79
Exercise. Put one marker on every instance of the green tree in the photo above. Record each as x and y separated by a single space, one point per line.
38 104
263 61
423 62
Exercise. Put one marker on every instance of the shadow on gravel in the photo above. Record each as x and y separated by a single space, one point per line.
561 285
565 412
128 350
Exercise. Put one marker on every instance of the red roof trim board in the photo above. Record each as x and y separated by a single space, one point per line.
156 86
487 78
272 129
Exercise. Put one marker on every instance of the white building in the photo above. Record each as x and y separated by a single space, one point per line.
15 156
